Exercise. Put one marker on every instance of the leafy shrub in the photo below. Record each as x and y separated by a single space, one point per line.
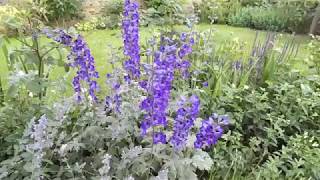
231 63
106 22
58 9
11 19
87 25
313 61
167 12
216 11
252 2
275 130
114 7
242 18
287 16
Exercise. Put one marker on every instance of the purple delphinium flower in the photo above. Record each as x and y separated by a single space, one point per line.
84 62
211 131
184 121
130 33
205 84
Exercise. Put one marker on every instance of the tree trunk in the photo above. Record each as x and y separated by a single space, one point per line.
315 20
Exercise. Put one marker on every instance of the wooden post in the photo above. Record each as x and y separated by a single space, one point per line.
315 20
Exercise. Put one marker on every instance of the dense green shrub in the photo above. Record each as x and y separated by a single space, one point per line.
11 18
163 12
113 7
58 9
275 130
216 11
313 61
269 18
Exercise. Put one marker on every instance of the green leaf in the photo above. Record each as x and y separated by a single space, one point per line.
202 160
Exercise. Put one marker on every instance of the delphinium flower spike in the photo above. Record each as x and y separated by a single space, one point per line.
159 90
130 33
86 71
81 59
166 62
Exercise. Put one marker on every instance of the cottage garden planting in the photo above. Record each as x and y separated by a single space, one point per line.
178 106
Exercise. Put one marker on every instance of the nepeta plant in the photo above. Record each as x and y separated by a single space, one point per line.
41 141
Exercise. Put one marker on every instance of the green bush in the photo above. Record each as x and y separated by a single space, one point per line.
242 18
163 12
114 7
58 9
275 132
11 19
268 18
216 11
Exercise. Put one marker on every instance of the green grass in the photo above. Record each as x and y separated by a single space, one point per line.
99 40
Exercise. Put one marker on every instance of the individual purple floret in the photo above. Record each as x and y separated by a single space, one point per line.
184 121
159 137
211 131
130 33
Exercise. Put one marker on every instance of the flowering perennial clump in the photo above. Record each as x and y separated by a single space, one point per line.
130 33
184 121
211 131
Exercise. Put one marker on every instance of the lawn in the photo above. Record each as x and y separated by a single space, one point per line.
99 41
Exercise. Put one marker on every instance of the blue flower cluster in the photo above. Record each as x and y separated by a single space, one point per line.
211 131
130 33
184 121
84 61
